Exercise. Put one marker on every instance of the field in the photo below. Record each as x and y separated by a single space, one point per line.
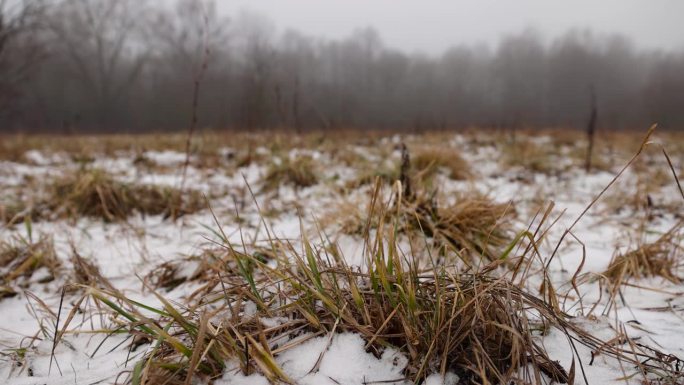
346 258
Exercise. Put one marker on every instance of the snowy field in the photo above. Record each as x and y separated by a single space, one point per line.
186 280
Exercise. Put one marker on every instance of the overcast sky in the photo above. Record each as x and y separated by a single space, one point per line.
431 26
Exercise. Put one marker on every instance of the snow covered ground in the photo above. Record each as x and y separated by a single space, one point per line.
633 211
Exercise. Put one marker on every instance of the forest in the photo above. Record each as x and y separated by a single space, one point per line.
86 66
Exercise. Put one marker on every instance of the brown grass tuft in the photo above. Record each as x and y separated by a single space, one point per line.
95 193
475 326
660 258
299 172
14 212
474 224
170 275
20 258
428 160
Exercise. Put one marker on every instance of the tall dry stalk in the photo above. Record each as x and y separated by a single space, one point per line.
197 80
591 130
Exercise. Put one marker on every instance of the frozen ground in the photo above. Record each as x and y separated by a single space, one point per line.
651 311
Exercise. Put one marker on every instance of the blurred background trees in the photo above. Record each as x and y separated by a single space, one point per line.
21 50
129 65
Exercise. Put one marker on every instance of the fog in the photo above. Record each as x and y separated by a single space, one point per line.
432 26
131 66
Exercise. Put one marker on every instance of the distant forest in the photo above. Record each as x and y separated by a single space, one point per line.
132 66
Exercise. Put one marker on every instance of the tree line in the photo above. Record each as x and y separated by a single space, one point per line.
132 66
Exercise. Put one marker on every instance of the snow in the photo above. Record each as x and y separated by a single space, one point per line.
165 158
127 252
343 360
438 379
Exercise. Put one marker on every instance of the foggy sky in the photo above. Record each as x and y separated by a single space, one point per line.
110 69
431 26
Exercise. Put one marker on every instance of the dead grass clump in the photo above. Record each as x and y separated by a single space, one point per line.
299 171
653 168
477 327
142 161
428 160
630 200
20 202
21 258
660 258
642 199
349 217
172 274
387 174
531 156
95 193
473 224
16 212
167 275
85 272
425 162
346 155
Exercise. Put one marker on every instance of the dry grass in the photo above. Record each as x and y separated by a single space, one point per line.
299 171
653 168
348 155
204 143
475 326
480 327
631 200
21 258
428 160
644 195
172 274
13 212
473 226
425 162
13 147
530 156
349 217
660 258
369 172
252 306
85 272
97 194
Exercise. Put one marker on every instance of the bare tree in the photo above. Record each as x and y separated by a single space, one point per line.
20 49
182 40
664 92
257 54
102 42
